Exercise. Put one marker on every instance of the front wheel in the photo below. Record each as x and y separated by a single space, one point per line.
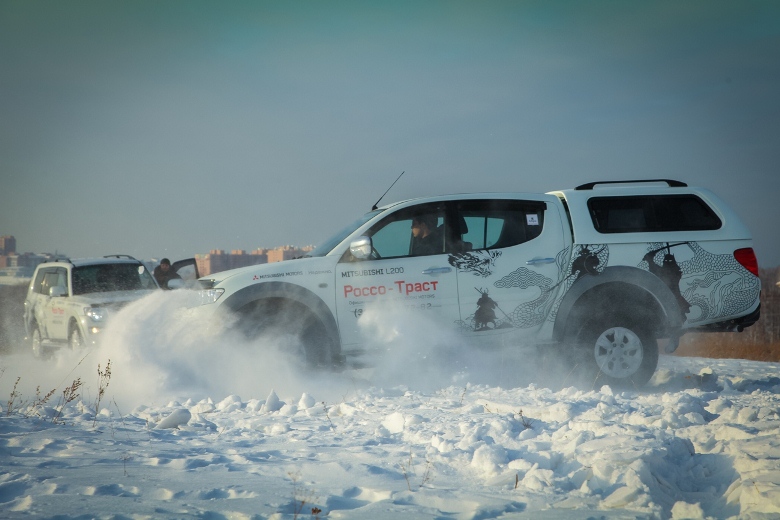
75 341
291 326
618 352
36 342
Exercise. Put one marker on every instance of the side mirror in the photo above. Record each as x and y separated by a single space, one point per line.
361 248
176 283
57 291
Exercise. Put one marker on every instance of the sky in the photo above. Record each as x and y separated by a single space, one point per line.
173 128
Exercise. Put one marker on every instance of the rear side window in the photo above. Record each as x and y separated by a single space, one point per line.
652 213
494 224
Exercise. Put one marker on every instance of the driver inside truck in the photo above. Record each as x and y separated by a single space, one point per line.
427 238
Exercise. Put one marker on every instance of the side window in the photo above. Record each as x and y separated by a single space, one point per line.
416 231
651 213
483 230
493 224
52 278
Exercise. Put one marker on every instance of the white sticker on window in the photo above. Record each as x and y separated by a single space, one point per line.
532 219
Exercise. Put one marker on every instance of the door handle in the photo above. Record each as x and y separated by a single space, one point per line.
537 261
437 270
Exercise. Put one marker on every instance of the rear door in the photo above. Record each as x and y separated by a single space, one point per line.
511 267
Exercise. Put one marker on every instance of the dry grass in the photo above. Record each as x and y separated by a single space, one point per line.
720 345
759 342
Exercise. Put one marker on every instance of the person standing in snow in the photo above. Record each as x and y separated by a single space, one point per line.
163 273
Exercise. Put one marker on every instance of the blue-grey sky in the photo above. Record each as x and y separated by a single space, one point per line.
172 128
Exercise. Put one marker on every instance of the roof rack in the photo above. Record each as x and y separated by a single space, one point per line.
57 259
121 256
671 183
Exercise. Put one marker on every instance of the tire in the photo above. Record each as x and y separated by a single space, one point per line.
620 352
289 325
75 340
36 342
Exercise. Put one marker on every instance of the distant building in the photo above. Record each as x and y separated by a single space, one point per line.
218 260
7 245
15 267
287 253
28 260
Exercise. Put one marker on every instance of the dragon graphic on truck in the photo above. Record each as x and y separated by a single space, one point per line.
693 282
707 286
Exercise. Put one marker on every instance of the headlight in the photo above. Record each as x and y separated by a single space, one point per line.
96 313
210 295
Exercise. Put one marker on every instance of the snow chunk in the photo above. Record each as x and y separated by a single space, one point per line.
685 510
306 401
730 433
229 404
521 465
254 405
204 406
288 410
747 414
277 429
177 418
622 497
443 446
488 457
394 423
272 403
538 479
413 419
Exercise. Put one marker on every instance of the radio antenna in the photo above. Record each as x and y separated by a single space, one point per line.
385 193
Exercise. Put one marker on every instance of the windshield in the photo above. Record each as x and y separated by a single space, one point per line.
111 277
326 247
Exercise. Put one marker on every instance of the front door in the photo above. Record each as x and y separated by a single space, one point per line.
56 322
408 270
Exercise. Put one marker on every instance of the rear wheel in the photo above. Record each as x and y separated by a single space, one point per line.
618 351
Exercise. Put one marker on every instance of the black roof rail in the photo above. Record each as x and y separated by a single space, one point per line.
671 183
121 256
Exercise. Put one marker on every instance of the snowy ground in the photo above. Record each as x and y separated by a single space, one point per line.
190 428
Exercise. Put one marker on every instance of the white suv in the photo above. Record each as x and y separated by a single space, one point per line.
600 271
68 302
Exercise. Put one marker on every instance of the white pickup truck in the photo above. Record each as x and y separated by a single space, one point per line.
603 271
